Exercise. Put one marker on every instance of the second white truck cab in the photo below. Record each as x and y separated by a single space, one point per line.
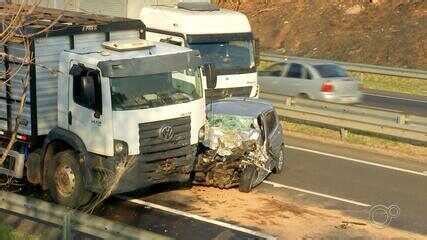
223 37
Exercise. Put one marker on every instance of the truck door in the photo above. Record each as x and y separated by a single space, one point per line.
85 115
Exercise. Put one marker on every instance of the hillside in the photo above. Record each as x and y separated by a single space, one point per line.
383 32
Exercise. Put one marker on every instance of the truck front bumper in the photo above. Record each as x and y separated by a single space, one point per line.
130 173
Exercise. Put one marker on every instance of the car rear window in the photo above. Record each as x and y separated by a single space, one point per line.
330 71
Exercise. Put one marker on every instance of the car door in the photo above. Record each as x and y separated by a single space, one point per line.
271 79
85 115
299 79
273 133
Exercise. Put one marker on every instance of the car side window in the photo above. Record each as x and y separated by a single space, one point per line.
295 71
275 70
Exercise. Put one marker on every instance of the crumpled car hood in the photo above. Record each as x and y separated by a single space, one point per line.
231 142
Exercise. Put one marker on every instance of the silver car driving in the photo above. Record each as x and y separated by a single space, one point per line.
315 80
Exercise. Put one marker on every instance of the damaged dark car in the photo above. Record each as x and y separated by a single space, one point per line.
243 144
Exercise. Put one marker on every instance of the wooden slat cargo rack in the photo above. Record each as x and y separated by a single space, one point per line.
36 20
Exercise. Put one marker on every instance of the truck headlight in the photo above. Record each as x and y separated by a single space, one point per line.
202 134
120 147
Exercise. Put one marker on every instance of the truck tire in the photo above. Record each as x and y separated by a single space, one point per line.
280 165
65 180
247 178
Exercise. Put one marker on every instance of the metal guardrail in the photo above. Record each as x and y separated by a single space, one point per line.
355 67
69 219
338 116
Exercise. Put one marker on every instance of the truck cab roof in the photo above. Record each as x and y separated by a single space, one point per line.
157 58
103 54
185 21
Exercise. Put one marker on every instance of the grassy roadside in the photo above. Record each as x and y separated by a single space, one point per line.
8 233
417 153
382 82
392 84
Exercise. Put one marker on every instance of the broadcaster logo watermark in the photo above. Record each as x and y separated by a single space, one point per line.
381 216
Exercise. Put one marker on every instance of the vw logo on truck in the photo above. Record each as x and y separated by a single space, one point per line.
166 133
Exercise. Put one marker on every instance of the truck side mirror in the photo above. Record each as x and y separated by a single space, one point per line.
211 77
97 95
257 52
77 70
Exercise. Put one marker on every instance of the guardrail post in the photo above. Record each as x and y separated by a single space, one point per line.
343 134
288 101
66 227
401 119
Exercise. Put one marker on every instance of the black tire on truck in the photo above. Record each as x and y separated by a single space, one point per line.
247 178
65 180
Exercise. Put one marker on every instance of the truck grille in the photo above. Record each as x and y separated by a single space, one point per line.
155 147
216 94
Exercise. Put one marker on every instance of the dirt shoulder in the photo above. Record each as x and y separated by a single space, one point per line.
284 218
390 33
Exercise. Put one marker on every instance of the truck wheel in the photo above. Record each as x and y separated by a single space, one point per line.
280 165
65 180
247 178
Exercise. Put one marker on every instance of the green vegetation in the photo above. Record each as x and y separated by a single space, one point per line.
8 233
383 82
370 141
392 84
264 64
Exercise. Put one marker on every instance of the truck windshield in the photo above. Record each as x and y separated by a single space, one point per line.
230 55
156 90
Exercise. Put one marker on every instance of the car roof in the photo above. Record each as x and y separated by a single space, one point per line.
248 107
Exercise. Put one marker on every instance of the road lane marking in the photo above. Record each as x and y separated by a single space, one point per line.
358 161
398 98
197 217
278 185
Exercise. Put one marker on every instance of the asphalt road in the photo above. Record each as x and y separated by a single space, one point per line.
356 182
386 183
171 222
395 101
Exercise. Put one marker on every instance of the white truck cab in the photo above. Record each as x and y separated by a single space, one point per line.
119 91
223 37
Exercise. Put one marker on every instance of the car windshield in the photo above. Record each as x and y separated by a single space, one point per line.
155 90
330 71
227 55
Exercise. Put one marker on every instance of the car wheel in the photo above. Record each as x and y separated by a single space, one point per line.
303 96
280 165
65 180
247 178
